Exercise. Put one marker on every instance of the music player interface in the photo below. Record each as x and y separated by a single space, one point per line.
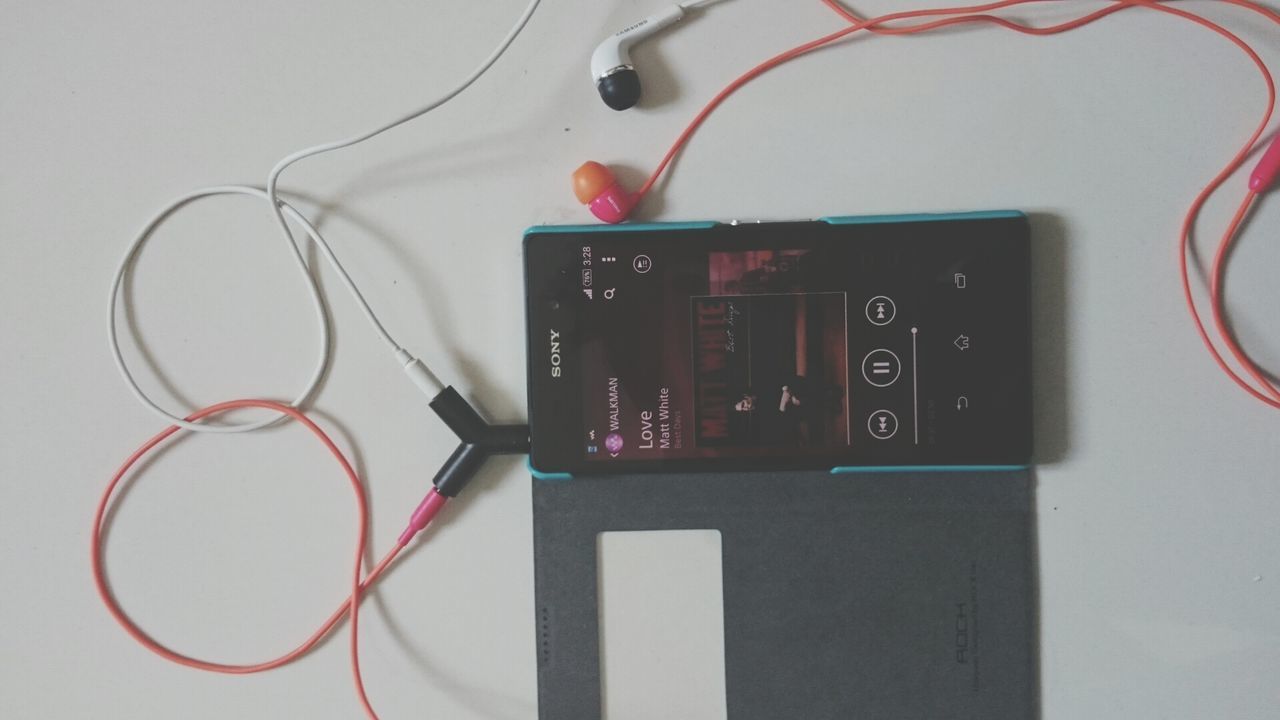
696 355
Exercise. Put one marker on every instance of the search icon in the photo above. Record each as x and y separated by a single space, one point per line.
608 294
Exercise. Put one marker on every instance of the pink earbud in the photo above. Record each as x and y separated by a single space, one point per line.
598 189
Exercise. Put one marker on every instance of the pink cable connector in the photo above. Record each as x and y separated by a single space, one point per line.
426 512
1268 167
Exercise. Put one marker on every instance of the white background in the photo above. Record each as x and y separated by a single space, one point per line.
1157 480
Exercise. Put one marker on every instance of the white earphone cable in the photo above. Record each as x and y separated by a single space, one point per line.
695 4
284 212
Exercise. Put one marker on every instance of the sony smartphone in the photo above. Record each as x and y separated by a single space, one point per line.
839 343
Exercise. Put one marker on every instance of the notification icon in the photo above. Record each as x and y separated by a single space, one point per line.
613 443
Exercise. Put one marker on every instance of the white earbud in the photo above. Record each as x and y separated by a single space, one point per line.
611 68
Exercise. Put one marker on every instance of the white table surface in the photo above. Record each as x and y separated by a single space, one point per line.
1157 485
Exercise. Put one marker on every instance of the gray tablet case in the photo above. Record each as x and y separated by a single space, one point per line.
867 596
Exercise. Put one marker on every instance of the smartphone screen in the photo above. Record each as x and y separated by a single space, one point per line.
781 345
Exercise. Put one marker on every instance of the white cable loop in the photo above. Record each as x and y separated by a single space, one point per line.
284 212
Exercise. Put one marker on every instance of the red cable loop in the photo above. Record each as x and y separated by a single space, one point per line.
350 605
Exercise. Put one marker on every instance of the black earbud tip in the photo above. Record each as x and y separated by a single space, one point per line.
620 90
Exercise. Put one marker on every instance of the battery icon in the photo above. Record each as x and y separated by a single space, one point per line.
586 278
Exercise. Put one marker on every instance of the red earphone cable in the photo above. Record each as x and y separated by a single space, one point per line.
351 605
861 24
1269 394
